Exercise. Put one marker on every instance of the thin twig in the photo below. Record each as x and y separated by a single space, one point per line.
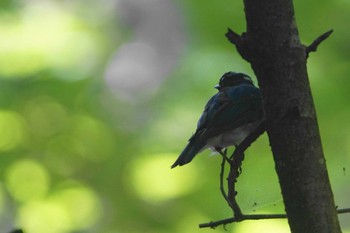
235 163
254 217
223 153
343 211
231 195
222 172
243 217
313 46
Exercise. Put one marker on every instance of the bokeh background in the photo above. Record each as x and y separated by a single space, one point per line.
98 98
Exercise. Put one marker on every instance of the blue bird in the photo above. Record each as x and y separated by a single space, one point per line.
228 117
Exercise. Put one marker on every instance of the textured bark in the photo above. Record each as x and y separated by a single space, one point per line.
272 46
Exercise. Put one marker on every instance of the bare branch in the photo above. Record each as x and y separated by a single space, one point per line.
313 46
232 193
214 224
230 197
222 172
239 41
233 37
235 165
343 211
243 217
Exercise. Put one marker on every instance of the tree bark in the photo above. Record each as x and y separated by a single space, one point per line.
272 46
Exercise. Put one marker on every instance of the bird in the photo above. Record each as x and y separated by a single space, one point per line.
228 117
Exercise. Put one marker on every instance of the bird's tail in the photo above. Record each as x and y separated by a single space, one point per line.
188 153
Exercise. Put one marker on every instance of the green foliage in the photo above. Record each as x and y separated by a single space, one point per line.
78 156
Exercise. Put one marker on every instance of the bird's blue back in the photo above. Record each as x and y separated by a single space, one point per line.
232 107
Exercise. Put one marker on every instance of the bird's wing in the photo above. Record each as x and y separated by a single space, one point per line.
230 109
225 111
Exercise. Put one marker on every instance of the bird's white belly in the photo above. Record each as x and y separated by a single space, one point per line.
233 137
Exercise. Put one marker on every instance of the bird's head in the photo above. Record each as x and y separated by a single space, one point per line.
231 79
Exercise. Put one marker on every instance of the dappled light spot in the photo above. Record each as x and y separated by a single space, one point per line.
12 130
174 135
45 116
154 181
71 208
191 216
267 226
61 42
27 180
44 217
81 205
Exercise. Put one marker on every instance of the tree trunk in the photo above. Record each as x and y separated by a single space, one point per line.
272 46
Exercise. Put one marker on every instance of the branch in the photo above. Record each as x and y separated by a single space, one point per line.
313 46
222 172
235 165
243 217
343 211
239 42
233 37
232 193
230 197
254 217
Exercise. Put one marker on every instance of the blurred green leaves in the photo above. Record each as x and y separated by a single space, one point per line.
48 135
47 36
68 209
12 129
27 180
77 157
154 182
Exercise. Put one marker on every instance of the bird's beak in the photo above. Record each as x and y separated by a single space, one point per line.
217 86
